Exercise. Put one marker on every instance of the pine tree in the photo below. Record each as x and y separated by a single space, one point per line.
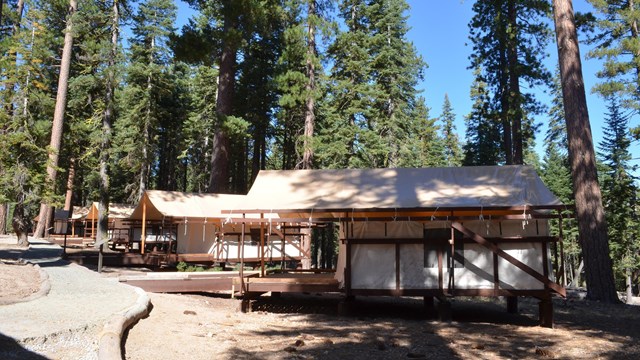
509 39
149 83
620 195
198 127
46 210
32 35
556 174
372 95
428 144
617 45
452 150
482 145
588 199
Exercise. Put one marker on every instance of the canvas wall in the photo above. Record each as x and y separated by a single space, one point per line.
373 265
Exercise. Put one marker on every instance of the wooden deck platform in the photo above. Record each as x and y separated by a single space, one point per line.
183 282
295 281
231 281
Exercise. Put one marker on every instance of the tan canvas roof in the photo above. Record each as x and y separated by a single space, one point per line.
308 191
175 204
116 211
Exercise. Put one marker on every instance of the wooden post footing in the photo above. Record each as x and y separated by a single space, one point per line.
512 304
444 310
546 313
245 305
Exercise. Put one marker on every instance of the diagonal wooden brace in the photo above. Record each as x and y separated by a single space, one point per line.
501 253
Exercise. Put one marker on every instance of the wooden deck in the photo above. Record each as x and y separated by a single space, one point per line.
295 281
231 281
183 282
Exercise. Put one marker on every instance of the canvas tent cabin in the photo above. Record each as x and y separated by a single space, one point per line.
433 232
118 216
201 231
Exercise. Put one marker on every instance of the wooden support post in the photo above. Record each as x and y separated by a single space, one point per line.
347 269
496 277
143 236
546 313
245 305
428 302
345 306
241 244
397 267
283 247
444 309
262 272
440 270
512 304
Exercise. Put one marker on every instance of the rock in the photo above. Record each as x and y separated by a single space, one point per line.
189 312
290 349
299 343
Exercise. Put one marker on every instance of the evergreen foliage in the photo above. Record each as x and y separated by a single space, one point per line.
482 145
616 43
372 107
452 150
620 193
509 40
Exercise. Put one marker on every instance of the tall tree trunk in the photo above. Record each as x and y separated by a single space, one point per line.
219 179
20 224
629 287
592 224
58 120
503 83
515 111
310 116
3 218
105 145
68 199
576 277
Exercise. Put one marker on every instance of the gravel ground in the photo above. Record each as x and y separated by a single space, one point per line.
65 323
199 327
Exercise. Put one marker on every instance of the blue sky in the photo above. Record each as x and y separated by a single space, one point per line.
439 31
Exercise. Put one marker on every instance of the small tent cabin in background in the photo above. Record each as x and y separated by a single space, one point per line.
118 227
194 227
432 232
81 224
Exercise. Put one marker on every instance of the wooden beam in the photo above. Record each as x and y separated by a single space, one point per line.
517 263
143 236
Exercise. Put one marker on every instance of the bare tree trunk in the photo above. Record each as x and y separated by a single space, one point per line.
576 277
105 146
68 199
515 111
310 117
20 225
592 224
58 120
629 287
219 179
3 215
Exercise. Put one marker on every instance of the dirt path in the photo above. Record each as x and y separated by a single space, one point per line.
306 327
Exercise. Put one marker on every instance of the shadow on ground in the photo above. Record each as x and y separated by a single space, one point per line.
10 349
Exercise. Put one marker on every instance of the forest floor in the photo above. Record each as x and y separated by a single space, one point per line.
307 326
